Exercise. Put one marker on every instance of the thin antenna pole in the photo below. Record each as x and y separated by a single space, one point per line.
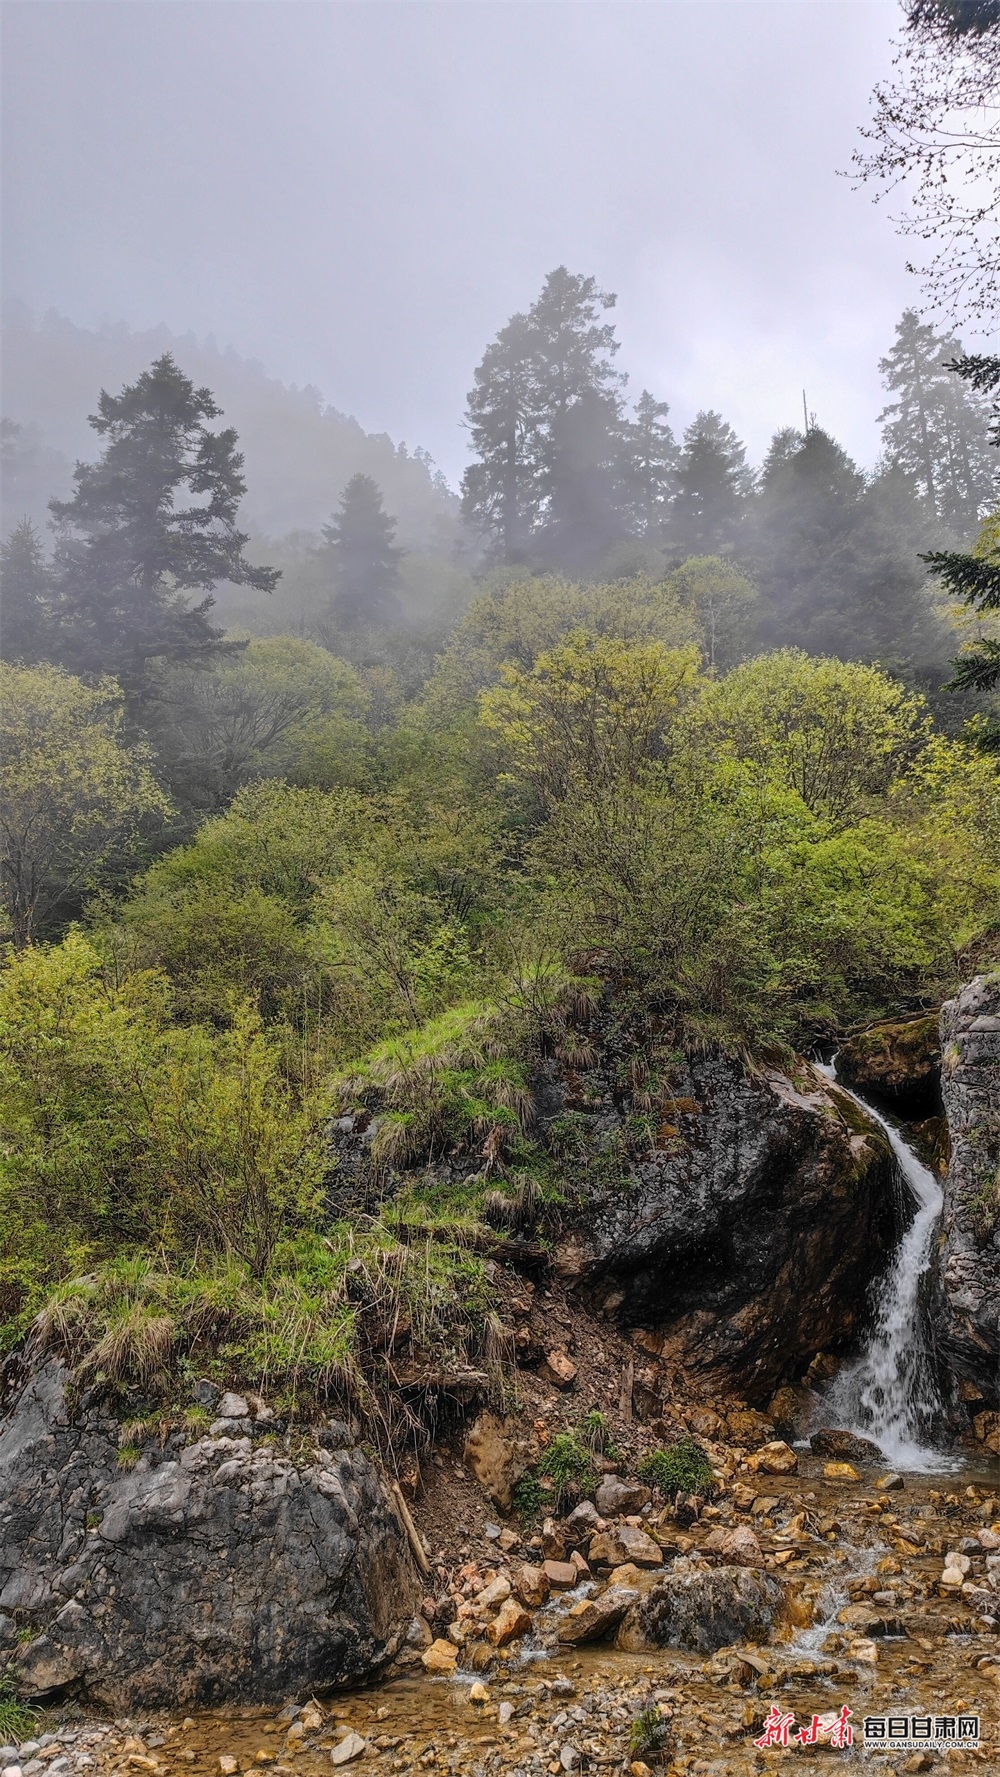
805 414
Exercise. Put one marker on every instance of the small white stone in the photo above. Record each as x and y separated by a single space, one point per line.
351 1747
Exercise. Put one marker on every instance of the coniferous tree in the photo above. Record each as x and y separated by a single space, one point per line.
974 576
649 462
713 487
25 596
936 429
152 520
500 491
545 418
365 557
835 558
586 514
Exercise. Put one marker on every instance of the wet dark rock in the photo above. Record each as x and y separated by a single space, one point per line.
753 1232
705 1610
899 1063
966 1307
220 1571
844 1446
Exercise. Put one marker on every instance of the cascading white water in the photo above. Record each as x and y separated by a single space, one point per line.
890 1394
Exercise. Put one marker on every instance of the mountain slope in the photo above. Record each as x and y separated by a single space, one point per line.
299 452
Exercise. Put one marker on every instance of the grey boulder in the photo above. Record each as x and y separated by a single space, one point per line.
211 1571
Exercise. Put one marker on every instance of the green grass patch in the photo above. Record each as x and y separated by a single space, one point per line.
17 1719
568 1463
679 1468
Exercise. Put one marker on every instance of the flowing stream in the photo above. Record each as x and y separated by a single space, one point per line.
890 1393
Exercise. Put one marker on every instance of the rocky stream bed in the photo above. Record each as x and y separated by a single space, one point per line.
887 1601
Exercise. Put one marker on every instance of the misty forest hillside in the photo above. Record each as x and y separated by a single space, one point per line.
299 451
661 751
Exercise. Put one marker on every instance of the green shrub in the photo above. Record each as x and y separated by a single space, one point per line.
680 1468
568 1464
649 1733
528 1497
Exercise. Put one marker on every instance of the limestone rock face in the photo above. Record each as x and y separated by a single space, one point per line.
208 1572
967 1305
753 1234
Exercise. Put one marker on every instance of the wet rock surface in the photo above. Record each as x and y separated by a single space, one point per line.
753 1230
967 1303
212 1569
708 1610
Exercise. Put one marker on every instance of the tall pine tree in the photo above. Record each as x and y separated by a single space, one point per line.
713 488
153 520
936 429
973 576
649 464
835 559
501 493
365 557
25 596
545 417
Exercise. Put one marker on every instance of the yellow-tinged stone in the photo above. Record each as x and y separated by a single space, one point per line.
777 1458
864 1651
311 1718
441 1656
478 1693
840 1471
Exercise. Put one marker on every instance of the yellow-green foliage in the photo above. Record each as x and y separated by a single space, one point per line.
577 822
72 793
122 1127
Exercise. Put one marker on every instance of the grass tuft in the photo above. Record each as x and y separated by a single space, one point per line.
680 1468
17 1719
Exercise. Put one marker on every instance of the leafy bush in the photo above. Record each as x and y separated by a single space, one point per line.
680 1468
528 1497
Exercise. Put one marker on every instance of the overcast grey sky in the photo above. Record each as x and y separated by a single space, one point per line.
359 194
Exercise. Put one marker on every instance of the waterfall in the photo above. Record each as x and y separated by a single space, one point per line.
890 1393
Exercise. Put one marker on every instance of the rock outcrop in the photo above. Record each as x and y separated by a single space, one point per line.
213 1570
752 1229
967 1305
899 1062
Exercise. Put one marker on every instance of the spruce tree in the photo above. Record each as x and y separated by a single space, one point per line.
365 557
649 463
500 491
835 558
713 488
936 429
586 513
152 520
974 576
25 596
545 417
